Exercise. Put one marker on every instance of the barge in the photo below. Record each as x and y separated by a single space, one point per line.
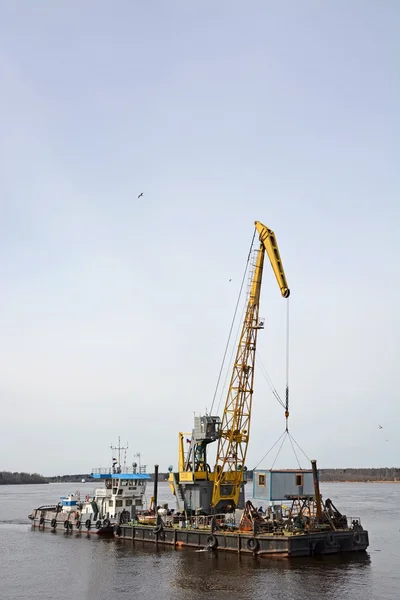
304 526
219 533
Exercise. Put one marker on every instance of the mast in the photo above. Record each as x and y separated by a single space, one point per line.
119 448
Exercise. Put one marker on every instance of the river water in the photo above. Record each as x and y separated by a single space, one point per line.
37 565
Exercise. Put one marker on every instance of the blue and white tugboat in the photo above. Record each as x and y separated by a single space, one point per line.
116 503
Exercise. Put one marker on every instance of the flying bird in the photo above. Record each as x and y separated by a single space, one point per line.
380 426
230 280
140 195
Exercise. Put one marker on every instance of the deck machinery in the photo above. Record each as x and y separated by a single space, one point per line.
197 487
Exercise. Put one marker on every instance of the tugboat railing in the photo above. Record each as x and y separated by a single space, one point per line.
117 470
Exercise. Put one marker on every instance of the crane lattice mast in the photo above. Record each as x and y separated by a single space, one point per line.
235 427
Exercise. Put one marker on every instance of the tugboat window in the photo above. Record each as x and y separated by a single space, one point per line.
261 480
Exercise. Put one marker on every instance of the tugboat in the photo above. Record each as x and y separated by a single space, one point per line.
109 506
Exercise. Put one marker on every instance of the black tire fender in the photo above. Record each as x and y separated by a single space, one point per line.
330 539
41 521
212 542
106 522
53 523
88 524
253 544
357 538
98 524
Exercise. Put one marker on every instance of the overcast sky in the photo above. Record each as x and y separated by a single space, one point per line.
114 310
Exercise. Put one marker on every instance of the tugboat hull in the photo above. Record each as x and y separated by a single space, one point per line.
68 523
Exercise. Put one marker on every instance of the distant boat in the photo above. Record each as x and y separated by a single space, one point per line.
83 480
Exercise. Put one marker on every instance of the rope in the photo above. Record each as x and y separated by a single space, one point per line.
284 435
268 379
272 447
228 371
232 324
294 452
280 448
299 447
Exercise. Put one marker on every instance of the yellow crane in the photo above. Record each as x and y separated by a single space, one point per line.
195 485
235 427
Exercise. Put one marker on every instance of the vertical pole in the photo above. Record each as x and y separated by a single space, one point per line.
155 487
317 492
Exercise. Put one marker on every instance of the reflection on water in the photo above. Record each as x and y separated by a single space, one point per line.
248 577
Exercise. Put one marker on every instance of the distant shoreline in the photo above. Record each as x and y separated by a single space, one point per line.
361 481
8 478
24 483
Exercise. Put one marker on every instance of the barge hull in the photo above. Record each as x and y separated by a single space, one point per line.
282 546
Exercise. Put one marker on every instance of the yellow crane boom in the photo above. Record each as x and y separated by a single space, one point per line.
235 427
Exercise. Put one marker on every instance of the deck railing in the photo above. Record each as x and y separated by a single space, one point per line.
118 470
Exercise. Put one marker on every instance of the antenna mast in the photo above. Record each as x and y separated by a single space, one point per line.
119 448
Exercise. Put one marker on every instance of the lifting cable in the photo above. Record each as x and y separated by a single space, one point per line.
294 451
264 371
284 435
280 448
270 450
233 321
285 404
234 348
287 368
268 379
299 447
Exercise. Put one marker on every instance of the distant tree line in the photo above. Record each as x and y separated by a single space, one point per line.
381 474
7 478
76 478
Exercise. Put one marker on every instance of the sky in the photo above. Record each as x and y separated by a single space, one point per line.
115 310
